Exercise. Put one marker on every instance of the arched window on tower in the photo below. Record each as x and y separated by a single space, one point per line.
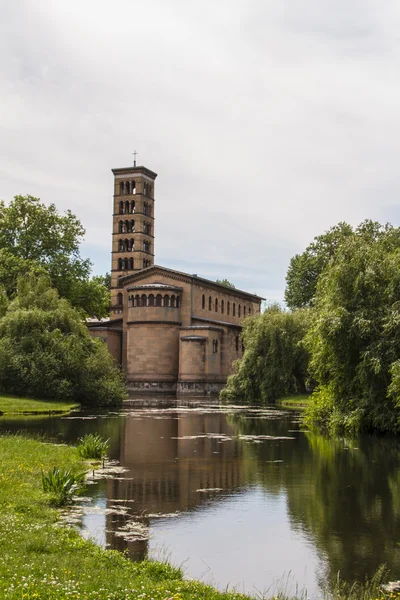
121 208
120 227
120 266
222 306
121 245
228 308
131 264
126 227
145 208
120 299
133 187
132 225
145 187
133 206
209 303
146 246
126 264
122 188
203 302
216 304
127 207
131 245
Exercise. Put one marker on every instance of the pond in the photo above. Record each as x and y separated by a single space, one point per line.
239 497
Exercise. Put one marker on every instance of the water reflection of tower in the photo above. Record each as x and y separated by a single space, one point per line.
165 471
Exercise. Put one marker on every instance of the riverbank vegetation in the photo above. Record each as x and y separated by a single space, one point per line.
344 333
13 405
46 351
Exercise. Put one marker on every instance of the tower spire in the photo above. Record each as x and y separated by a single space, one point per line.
134 154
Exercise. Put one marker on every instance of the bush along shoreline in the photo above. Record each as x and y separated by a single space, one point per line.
42 558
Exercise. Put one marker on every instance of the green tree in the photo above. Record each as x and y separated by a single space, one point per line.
354 339
226 283
46 350
37 238
274 362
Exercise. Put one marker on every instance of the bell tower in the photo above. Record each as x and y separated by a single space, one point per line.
133 227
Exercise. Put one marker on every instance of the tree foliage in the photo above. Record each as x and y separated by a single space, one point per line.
274 362
35 238
305 269
226 283
354 339
46 350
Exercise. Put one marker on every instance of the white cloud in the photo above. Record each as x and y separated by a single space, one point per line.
267 121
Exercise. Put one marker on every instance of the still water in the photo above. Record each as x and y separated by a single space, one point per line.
239 497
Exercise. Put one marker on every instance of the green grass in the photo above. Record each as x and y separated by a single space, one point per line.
45 560
297 401
11 405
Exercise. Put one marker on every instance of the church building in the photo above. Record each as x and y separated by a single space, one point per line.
171 332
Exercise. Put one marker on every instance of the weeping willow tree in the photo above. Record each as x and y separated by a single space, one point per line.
275 361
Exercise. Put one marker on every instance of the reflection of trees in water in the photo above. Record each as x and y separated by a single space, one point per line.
344 495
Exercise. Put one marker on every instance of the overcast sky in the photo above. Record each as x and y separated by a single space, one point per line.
267 121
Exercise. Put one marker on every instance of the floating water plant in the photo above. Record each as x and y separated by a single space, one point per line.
93 446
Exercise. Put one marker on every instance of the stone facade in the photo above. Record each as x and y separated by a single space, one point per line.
170 331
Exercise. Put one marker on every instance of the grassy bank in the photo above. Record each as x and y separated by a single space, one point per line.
44 560
298 401
13 405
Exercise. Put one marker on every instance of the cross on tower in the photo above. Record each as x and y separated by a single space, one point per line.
134 157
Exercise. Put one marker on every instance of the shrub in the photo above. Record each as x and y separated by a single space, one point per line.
93 446
61 484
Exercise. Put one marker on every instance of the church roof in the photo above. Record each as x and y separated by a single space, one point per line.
179 275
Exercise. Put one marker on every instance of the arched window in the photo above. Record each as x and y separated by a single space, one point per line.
133 206
126 227
239 310
131 264
145 189
122 188
244 311
137 300
144 300
127 206
146 246
228 308
121 208
120 264
203 302
131 245
131 225
234 309
121 245
119 298
173 301
222 307
209 303
237 343
158 300
151 300
166 300
120 227
126 264
178 301
145 208
133 187
130 301
216 304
